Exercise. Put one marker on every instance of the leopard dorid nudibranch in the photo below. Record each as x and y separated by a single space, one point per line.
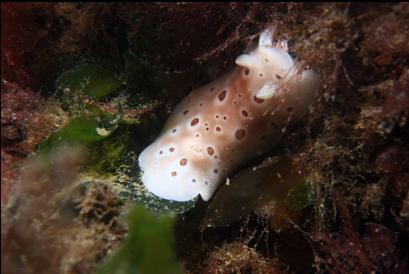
224 124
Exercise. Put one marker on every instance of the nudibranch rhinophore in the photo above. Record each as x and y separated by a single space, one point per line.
222 125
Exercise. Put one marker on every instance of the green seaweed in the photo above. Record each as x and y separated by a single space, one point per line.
79 130
106 135
300 196
149 248
89 125
105 156
92 80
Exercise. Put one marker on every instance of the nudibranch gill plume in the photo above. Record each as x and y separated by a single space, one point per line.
222 125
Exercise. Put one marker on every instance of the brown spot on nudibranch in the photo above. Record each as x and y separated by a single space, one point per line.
161 152
185 112
172 149
174 130
174 173
215 171
222 95
183 162
246 71
218 129
210 150
278 77
245 113
194 122
240 134
289 109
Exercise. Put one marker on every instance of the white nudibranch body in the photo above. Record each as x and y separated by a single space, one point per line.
228 122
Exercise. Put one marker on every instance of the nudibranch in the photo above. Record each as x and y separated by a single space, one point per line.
222 125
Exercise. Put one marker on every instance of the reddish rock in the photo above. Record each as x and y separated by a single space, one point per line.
392 159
